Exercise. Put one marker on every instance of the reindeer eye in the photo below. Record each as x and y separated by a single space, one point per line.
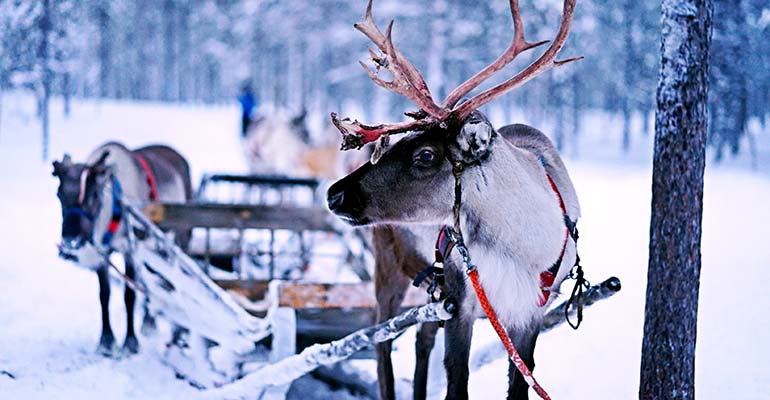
425 156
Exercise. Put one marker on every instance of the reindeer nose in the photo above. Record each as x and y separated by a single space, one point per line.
335 200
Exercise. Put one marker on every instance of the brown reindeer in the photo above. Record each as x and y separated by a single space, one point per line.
516 197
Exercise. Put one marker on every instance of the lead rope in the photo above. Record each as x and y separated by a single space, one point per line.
576 297
513 354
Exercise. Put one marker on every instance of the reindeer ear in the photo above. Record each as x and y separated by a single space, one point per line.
100 166
58 167
475 138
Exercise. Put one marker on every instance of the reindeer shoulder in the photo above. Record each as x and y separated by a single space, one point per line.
536 142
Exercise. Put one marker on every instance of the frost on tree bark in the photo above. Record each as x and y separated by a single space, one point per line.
671 310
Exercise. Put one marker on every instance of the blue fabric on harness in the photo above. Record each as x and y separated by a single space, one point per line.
117 212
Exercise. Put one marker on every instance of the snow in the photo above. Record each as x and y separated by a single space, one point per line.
49 310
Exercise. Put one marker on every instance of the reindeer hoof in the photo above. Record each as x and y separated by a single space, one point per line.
149 326
107 346
131 345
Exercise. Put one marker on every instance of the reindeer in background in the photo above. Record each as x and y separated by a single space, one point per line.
92 195
506 189
276 144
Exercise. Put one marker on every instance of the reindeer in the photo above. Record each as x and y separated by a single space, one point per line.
279 145
91 196
506 189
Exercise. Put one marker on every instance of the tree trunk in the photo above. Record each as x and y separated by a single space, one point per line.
2 94
104 49
168 50
729 100
626 125
67 92
185 49
671 310
629 66
575 131
44 54
437 49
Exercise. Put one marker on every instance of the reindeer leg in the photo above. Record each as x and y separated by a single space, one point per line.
426 338
458 332
390 288
131 344
149 326
524 340
107 340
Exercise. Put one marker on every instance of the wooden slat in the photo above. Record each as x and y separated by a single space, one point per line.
325 325
304 295
325 312
253 290
228 216
267 180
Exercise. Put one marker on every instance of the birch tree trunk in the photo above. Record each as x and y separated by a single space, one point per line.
671 310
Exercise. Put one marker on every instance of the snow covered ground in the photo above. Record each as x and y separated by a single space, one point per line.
49 311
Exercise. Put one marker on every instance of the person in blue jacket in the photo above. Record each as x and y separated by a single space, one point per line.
248 104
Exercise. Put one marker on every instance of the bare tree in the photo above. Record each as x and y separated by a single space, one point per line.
671 311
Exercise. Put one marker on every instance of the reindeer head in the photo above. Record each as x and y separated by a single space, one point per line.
413 180
80 197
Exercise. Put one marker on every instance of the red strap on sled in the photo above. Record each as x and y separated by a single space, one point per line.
150 177
513 355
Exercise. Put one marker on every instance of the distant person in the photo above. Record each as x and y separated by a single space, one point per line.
248 103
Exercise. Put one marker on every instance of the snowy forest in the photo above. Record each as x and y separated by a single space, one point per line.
303 55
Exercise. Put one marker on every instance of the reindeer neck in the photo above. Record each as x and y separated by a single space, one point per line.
509 209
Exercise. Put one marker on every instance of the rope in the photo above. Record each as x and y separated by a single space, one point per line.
513 355
130 282
576 296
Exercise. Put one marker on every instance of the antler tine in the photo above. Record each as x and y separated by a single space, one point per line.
517 46
382 42
407 81
356 134
542 64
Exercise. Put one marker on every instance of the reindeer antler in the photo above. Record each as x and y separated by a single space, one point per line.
517 46
408 82
542 64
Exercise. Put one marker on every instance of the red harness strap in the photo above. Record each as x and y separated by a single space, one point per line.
150 177
548 276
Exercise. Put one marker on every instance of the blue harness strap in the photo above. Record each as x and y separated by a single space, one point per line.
77 210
